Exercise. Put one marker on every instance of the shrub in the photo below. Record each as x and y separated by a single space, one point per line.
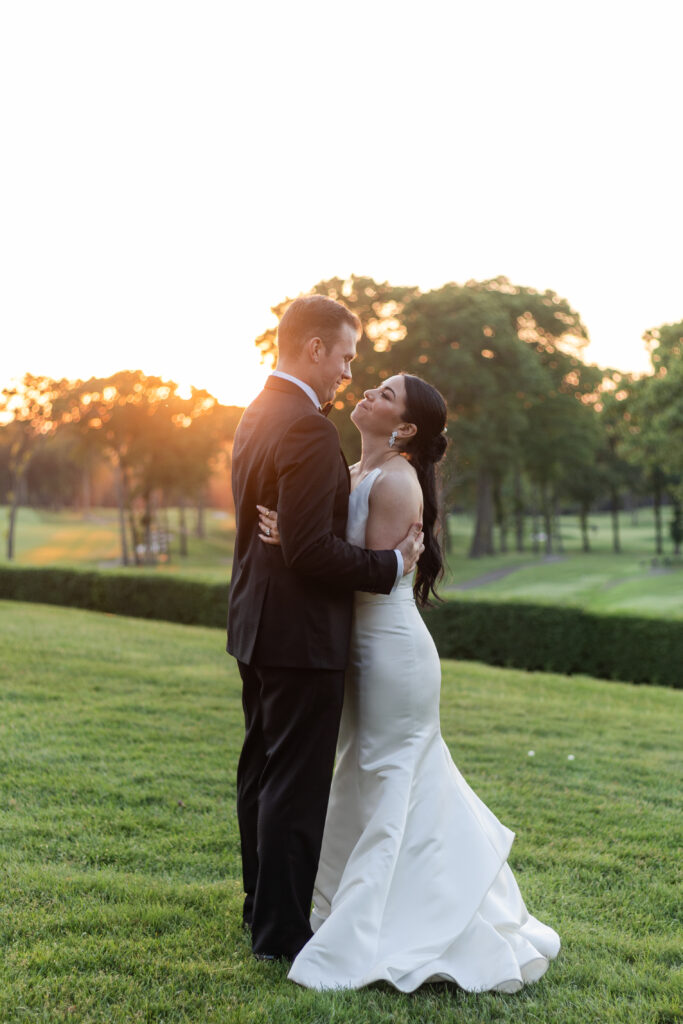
144 596
560 639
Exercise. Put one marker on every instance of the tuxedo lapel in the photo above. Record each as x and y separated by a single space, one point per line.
346 467
289 388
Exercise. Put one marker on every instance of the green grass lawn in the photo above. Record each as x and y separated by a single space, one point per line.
596 582
67 538
119 854
599 581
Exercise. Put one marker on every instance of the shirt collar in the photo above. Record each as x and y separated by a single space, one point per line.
304 387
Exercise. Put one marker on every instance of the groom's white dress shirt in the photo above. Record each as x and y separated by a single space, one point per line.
316 402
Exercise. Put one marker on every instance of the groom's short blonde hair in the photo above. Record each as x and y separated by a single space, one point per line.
313 316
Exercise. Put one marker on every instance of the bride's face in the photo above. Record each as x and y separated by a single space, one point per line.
382 409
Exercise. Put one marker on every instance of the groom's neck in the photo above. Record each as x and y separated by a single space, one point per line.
297 369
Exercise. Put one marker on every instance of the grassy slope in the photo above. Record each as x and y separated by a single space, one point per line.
119 857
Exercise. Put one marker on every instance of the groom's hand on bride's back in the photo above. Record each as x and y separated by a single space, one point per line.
411 547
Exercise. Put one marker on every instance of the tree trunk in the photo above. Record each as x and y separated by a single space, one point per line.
501 519
86 489
121 502
534 525
557 523
518 502
135 536
148 521
182 519
12 516
200 526
583 518
546 510
20 457
614 508
676 525
166 528
482 541
657 505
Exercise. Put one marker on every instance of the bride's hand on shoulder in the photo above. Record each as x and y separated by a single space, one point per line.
267 524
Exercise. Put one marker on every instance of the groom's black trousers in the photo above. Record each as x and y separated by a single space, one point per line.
291 718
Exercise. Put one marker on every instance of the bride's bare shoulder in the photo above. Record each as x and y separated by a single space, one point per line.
397 482
397 472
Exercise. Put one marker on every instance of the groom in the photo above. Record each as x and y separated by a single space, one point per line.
290 616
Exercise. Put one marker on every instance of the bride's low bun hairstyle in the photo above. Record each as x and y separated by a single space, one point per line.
435 450
426 408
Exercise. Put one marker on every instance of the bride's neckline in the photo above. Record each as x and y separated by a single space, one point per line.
368 476
372 473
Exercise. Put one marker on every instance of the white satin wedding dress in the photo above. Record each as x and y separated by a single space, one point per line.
413 883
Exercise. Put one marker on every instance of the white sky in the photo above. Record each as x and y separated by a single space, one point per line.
172 169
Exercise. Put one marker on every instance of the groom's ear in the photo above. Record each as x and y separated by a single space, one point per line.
314 349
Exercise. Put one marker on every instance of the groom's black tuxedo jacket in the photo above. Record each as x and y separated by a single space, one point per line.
290 606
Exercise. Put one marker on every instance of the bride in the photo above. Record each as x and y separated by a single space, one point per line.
413 883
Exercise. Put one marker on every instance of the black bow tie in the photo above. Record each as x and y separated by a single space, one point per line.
325 409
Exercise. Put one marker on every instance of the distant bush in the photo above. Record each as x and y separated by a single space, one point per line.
559 639
143 596
535 637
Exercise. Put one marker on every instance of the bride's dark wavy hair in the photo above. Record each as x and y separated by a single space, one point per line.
426 408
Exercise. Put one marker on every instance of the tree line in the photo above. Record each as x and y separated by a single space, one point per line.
160 449
534 429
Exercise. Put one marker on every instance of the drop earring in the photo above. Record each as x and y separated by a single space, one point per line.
392 439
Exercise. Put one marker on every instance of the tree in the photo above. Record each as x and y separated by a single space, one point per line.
666 398
161 447
505 357
120 412
644 445
53 477
610 458
664 401
183 464
159 444
30 405
379 306
494 349
460 339
582 479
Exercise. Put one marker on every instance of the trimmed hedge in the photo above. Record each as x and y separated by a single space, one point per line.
566 640
535 637
141 595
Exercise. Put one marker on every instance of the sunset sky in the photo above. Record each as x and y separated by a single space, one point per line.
171 170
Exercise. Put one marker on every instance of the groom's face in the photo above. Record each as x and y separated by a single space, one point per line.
334 367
